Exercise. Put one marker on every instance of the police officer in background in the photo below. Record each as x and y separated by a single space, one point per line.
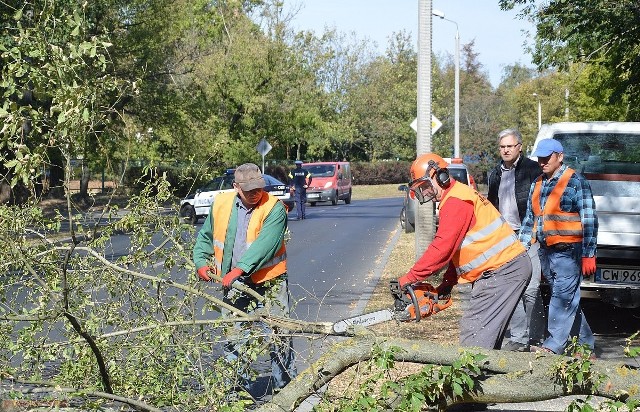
301 179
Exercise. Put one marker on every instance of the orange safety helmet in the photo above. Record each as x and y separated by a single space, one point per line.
430 166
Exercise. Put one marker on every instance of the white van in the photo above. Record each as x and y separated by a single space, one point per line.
608 155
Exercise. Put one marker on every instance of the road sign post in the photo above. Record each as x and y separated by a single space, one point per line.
263 148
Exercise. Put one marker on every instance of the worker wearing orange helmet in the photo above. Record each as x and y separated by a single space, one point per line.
479 247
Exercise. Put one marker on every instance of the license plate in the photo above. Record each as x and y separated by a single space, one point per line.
313 195
277 192
618 275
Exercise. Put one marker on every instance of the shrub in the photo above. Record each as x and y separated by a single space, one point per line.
383 172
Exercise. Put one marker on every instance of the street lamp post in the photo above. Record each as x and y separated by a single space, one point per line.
539 110
456 116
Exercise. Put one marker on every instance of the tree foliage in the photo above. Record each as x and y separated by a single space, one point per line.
600 33
56 85
203 87
124 325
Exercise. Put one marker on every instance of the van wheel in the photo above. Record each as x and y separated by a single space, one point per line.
312 203
347 199
334 199
403 217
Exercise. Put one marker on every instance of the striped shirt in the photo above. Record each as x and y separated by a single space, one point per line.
577 198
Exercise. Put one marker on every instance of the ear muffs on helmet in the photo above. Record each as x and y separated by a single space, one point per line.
441 175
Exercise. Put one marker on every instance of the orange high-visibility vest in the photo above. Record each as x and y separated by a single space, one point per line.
489 244
557 226
222 214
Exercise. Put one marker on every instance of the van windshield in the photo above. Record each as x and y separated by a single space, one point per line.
603 153
321 170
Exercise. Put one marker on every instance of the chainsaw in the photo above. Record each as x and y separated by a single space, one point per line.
412 303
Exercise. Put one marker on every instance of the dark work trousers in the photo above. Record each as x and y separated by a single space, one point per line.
300 197
494 296
276 293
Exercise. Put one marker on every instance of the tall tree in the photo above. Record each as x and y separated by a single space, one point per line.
383 102
56 79
478 115
600 32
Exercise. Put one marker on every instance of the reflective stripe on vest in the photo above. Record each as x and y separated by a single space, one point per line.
558 226
489 244
221 210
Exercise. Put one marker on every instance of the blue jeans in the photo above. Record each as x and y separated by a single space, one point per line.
563 271
528 322
281 352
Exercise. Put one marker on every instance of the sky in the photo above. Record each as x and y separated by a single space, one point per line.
498 34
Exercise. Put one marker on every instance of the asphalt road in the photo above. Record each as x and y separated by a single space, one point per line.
334 263
333 255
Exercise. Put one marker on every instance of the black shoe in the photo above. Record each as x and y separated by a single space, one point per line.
516 347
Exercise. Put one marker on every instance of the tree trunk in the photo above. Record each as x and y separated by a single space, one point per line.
84 181
56 174
507 376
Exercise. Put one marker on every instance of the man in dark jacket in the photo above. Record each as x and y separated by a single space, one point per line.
509 184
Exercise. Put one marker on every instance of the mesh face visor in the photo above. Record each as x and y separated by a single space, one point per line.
417 186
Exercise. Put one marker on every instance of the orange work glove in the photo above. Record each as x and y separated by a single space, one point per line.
588 266
203 273
231 277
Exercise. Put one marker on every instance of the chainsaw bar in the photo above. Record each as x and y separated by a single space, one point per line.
412 303
366 319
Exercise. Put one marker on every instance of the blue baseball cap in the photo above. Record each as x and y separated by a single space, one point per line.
546 147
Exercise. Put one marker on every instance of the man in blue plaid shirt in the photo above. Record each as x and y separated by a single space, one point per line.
561 216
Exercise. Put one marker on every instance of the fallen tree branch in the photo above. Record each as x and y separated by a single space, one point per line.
47 387
508 376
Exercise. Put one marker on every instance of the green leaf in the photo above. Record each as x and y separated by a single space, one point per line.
11 164
457 389
17 15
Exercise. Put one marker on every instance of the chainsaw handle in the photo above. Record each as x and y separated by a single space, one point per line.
414 301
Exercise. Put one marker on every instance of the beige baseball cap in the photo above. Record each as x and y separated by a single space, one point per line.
248 176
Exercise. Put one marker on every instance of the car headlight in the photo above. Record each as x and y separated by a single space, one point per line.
328 185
